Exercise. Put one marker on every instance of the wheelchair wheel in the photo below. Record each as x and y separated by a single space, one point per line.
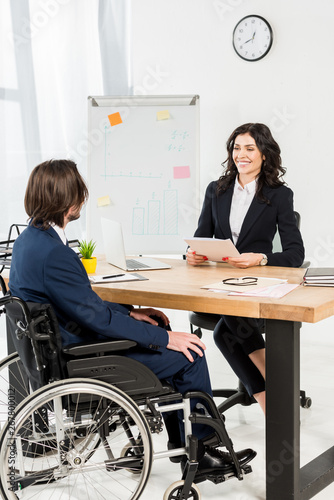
66 441
14 386
174 492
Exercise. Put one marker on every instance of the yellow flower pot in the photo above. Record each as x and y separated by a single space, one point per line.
89 265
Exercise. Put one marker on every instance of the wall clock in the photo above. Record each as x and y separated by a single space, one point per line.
252 38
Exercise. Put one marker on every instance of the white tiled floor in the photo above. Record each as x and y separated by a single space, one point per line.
246 425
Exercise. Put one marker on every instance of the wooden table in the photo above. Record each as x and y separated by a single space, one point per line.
179 288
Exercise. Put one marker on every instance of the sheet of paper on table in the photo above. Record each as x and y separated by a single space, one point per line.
275 291
116 278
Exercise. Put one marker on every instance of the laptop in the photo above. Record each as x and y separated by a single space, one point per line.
115 252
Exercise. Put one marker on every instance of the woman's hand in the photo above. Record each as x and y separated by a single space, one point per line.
194 259
245 260
145 313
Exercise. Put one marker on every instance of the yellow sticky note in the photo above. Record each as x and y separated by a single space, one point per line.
115 119
163 115
103 201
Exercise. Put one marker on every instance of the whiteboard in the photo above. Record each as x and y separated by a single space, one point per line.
143 164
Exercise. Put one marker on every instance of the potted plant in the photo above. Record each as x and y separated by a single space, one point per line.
86 250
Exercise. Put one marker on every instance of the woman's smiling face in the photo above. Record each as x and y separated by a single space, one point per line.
247 158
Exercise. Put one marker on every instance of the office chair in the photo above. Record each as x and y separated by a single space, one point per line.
85 415
208 321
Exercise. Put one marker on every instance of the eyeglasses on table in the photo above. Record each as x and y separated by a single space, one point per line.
245 281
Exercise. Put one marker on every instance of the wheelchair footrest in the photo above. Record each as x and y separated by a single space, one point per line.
218 477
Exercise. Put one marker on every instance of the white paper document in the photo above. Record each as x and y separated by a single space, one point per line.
214 249
274 291
116 278
264 287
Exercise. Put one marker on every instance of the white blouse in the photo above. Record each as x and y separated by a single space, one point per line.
241 200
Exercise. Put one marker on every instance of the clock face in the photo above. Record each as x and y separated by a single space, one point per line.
252 38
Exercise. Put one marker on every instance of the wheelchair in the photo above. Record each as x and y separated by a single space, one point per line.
77 422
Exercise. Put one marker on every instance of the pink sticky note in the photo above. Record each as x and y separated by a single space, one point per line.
181 172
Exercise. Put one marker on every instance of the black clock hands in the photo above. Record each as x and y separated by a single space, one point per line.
251 39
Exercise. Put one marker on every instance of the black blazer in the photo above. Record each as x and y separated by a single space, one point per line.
259 226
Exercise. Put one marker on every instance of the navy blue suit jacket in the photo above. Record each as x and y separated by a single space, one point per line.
45 270
259 226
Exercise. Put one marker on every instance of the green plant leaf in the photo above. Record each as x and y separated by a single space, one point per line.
87 248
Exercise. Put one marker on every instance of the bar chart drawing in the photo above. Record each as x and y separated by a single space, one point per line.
170 212
153 219
159 217
138 220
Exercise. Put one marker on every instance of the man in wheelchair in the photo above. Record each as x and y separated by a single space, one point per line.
45 270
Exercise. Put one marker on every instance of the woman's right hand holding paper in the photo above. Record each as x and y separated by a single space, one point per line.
194 259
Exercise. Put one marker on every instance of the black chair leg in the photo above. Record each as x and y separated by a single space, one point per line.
237 396
241 396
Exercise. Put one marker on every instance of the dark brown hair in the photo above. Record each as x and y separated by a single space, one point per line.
53 188
271 170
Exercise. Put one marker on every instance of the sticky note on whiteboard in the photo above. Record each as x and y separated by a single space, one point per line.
181 172
103 201
115 119
163 115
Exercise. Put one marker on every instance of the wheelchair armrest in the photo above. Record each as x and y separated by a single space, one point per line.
98 347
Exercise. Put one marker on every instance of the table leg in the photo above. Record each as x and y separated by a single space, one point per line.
283 410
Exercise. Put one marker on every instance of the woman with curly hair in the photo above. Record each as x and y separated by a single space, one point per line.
248 204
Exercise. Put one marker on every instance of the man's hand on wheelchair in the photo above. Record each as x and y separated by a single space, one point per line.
183 341
145 313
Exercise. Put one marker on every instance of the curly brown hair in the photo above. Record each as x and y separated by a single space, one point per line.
53 188
271 171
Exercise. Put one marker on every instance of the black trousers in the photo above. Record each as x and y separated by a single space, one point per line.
236 338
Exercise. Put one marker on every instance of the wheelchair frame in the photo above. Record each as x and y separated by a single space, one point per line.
52 438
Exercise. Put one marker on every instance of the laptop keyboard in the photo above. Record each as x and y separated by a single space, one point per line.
135 264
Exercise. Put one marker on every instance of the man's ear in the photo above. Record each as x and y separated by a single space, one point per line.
70 212
67 217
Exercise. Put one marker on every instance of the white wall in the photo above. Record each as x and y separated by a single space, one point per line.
185 46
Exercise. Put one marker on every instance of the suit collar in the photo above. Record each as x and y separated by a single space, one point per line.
61 233
50 232
224 207
53 233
